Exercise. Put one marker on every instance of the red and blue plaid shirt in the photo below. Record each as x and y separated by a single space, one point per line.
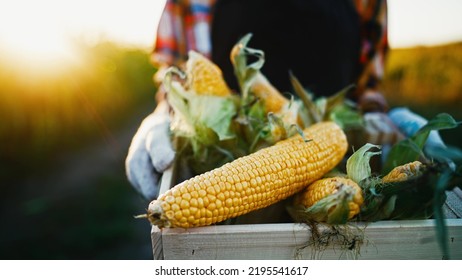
185 25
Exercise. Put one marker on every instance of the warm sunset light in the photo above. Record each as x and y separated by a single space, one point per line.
77 81
424 22
44 33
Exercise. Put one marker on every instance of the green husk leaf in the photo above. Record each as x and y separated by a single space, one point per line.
397 200
338 99
333 209
202 120
410 149
346 117
357 166
277 129
336 107
214 112
445 154
252 122
448 176
401 153
177 96
245 72
416 198
440 122
339 215
314 115
377 206
440 223
387 209
321 104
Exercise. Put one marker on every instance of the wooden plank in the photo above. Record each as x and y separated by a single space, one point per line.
381 240
157 246
167 179
156 233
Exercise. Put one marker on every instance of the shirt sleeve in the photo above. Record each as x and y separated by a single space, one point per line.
374 46
183 26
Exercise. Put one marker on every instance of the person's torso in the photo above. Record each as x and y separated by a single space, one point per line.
318 40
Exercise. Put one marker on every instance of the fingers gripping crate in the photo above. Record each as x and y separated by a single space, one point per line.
249 238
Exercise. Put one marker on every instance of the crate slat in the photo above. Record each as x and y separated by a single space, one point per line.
409 239
382 240
157 249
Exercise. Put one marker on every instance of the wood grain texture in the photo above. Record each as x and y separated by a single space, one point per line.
381 240
157 246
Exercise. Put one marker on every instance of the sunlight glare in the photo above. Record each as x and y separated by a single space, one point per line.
42 34
31 33
424 22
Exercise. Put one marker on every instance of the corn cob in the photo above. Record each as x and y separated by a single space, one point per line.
275 102
325 187
404 172
205 77
263 89
251 182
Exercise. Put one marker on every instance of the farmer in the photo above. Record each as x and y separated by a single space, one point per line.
327 44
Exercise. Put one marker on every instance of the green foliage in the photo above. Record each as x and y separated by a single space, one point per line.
425 75
91 224
428 80
418 197
46 214
357 165
244 70
410 149
50 114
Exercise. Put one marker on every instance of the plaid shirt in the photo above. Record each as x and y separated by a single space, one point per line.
185 25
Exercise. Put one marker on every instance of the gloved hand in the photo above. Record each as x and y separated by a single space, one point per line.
409 123
372 101
150 152
380 129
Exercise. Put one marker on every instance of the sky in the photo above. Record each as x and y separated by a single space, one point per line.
44 29
424 22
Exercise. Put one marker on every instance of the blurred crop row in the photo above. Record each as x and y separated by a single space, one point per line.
428 80
46 115
64 136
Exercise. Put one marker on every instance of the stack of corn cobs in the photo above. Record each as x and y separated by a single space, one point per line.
256 148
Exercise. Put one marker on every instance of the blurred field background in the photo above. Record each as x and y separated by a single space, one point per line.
429 81
64 137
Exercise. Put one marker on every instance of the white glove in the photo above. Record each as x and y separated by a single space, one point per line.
409 123
380 129
150 152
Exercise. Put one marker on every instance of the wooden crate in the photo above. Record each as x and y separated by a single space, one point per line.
385 240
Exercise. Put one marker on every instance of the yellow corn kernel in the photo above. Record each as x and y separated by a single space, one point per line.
283 159
205 77
404 172
328 186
